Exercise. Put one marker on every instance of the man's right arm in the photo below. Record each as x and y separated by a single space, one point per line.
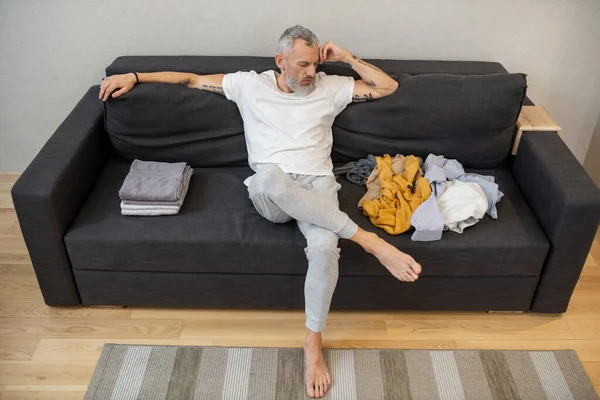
120 84
212 83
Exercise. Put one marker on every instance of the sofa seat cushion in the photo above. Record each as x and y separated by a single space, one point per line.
218 231
512 245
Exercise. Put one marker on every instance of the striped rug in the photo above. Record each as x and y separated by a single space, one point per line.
126 372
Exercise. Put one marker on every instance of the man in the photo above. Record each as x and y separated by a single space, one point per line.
287 122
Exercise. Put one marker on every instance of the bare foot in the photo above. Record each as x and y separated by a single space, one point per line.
318 379
400 264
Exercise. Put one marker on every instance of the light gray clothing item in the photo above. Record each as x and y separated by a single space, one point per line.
427 219
453 170
429 222
154 181
312 201
432 160
148 213
437 179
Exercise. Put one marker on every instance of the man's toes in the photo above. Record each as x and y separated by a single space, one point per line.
310 390
416 267
320 392
398 275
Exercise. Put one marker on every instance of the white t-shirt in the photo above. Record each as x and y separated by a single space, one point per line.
283 129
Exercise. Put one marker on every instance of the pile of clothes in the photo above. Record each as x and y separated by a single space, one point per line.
153 188
459 200
431 196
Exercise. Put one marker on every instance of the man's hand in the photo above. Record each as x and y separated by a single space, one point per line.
374 83
124 82
332 52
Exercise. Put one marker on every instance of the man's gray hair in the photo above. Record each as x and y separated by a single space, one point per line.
288 38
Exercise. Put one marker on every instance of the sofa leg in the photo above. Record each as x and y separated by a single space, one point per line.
504 312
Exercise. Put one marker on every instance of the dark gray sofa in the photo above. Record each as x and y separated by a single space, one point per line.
219 253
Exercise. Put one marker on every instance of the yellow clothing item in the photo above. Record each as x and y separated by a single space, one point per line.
372 182
400 195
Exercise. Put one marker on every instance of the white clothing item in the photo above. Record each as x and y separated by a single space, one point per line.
149 213
462 204
285 129
460 226
147 207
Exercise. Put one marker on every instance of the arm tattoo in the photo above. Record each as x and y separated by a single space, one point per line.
358 60
369 65
366 97
371 83
185 82
214 89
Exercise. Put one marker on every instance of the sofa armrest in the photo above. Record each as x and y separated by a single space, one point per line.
52 188
567 204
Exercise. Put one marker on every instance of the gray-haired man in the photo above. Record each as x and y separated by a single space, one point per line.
287 122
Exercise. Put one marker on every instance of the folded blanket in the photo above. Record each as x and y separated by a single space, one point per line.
147 207
149 212
154 181
186 183
152 209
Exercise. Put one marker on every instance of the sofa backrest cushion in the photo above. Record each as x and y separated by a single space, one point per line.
171 123
467 111
469 118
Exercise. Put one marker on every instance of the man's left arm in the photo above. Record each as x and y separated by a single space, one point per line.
374 83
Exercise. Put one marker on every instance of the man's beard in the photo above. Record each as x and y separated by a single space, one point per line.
300 90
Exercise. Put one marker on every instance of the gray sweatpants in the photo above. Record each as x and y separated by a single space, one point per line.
312 201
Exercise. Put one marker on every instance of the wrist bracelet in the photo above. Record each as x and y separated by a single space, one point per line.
137 80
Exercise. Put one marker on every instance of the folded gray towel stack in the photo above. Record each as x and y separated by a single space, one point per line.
154 188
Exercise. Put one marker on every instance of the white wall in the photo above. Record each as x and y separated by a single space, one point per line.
592 159
51 52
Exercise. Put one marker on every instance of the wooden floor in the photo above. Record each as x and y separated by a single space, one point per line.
50 353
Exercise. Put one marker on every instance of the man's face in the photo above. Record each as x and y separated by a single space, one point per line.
301 67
